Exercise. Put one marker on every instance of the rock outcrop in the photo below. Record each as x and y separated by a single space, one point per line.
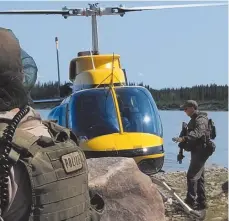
129 194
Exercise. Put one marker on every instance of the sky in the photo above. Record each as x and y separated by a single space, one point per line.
163 48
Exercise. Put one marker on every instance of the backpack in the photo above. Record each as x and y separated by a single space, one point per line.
210 145
212 129
58 174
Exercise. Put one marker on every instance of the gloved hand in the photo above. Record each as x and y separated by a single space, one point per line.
178 139
180 157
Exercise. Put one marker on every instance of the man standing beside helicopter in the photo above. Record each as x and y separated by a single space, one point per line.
197 129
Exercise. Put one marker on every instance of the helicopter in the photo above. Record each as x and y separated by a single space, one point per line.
109 118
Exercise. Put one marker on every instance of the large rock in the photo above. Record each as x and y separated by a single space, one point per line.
129 194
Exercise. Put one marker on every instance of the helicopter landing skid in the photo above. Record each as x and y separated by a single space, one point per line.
193 214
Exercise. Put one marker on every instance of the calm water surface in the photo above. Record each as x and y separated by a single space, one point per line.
172 121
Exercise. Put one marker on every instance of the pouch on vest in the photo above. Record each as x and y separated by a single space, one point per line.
210 147
58 175
97 206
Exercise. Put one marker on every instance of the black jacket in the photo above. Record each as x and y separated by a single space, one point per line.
197 129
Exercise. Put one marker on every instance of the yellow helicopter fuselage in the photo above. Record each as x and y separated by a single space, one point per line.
109 118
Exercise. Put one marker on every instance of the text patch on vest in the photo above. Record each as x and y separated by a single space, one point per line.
72 162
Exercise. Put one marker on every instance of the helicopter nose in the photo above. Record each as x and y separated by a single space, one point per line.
151 166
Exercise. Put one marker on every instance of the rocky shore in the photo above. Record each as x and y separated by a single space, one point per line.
216 190
130 195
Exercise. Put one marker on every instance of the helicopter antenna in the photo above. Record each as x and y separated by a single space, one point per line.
112 71
92 60
58 63
115 99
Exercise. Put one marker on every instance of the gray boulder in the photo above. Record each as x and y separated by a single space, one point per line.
129 194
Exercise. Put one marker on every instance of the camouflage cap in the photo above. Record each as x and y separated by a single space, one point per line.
189 103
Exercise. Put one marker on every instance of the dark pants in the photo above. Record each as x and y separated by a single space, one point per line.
195 178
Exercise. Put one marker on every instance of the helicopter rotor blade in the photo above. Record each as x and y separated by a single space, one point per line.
95 10
35 12
157 7
64 12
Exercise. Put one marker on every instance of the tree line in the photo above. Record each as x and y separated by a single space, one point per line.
214 96
165 98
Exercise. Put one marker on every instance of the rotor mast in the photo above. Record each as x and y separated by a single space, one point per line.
95 40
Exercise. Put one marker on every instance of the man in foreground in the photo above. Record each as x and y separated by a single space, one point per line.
43 173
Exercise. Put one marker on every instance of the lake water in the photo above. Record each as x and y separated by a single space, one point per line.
172 121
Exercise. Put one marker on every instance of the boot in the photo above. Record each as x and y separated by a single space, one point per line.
191 204
202 205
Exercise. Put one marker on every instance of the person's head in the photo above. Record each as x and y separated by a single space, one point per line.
190 107
12 91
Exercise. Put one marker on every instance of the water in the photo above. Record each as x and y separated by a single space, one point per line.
172 121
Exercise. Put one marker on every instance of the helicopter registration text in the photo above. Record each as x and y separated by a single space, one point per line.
72 162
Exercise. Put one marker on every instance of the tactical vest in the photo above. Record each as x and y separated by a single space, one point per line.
205 141
58 174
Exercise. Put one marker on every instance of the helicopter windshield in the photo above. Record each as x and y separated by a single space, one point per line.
138 111
95 112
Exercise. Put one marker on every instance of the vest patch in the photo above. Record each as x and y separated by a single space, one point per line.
72 162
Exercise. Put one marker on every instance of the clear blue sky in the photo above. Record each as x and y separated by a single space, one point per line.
163 48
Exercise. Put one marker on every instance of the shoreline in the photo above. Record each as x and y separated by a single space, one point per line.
46 106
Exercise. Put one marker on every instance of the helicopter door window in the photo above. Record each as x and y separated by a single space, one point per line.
123 113
135 116
95 114
88 110
137 110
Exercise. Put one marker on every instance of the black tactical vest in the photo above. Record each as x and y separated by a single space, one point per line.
58 175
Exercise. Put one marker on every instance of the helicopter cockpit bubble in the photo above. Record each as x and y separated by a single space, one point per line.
95 115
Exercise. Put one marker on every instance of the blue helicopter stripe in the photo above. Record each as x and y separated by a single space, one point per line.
126 153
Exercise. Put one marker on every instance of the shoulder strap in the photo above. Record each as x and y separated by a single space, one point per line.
24 141
55 129
60 133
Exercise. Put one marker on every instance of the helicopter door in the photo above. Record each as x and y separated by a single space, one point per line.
131 115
